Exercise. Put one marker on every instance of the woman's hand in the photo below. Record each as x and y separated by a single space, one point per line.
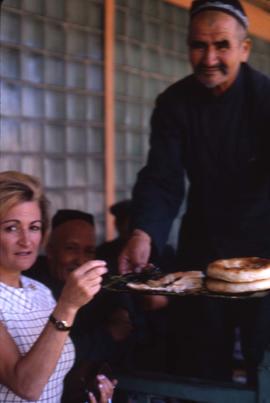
83 284
106 388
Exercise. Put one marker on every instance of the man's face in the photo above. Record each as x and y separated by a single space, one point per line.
71 244
217 47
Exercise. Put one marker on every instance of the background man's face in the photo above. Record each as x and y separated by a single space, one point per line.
71 244
216 49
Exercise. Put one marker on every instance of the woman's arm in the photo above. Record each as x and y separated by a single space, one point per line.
27 375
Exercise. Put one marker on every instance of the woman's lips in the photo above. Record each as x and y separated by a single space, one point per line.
28 253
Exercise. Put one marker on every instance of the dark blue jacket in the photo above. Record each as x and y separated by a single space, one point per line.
222 144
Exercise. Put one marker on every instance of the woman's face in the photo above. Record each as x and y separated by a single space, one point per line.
20 237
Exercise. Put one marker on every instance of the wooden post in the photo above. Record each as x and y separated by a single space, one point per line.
109 33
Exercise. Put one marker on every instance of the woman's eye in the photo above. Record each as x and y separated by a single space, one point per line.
11 228
35 228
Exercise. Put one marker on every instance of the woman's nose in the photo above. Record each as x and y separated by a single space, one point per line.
24 238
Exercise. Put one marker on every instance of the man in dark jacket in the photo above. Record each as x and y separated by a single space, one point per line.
212 126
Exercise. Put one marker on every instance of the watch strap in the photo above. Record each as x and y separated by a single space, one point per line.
59 324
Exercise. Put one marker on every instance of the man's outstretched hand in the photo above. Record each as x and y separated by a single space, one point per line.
136 253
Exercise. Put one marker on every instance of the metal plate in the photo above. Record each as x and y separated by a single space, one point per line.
119 284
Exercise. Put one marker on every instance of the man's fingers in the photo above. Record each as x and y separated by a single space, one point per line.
124 264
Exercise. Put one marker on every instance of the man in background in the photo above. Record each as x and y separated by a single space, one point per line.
102 330
110 250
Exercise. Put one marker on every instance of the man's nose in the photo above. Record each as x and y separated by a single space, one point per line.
81 258
210 56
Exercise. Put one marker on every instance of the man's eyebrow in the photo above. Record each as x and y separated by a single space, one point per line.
190 40
222 42
194 42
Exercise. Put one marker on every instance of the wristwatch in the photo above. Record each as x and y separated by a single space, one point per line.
59 324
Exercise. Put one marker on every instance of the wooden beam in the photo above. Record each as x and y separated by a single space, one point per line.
109 151
259 19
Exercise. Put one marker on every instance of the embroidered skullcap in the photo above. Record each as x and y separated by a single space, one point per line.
231 7
64 215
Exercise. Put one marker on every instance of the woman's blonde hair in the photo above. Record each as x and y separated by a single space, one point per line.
16 188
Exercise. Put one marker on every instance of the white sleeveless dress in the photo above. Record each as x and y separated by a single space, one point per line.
24 312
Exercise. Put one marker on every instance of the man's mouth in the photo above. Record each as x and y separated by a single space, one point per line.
209 70
221 68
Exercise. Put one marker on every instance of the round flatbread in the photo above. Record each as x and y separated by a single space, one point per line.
224 287
238 270
179 276
172 282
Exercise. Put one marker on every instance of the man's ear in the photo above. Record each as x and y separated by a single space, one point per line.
246 46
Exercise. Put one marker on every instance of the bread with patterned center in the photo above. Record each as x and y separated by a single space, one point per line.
240 270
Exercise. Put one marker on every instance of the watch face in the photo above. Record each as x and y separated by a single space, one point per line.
61 325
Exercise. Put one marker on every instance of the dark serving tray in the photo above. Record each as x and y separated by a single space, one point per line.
119 284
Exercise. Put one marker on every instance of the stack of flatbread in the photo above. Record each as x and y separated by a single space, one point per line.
173 282
238 275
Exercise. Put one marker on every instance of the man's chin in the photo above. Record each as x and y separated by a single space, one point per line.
208 83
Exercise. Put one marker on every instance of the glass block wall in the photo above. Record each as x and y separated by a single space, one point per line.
260 55
150 53
51 68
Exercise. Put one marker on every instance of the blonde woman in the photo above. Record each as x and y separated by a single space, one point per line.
35 349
